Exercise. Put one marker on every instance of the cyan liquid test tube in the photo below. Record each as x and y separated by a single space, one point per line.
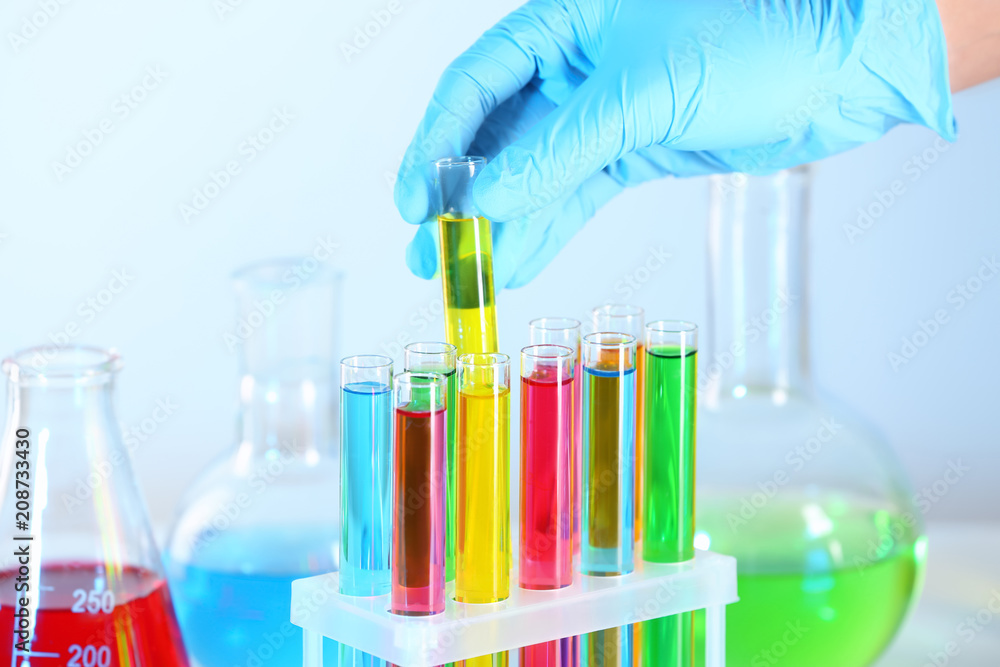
607 539
433 357
546 547
418 531
365 472
669 469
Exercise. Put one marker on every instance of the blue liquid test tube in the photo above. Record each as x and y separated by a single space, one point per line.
365 483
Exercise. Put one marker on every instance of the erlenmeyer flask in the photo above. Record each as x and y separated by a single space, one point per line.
266 513
80 576
812 503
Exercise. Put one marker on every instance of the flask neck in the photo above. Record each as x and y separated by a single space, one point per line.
757 286
290 415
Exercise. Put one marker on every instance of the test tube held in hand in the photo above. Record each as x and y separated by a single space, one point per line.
466 255
418 531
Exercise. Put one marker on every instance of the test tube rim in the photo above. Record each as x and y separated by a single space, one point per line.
462 161
629 310
496 359
534 324
102 365
407 376
447 351
562 351
345 362
676 326
684 332
627 340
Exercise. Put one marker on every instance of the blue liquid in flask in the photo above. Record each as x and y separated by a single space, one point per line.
234 618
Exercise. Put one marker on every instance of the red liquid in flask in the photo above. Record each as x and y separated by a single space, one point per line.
95 616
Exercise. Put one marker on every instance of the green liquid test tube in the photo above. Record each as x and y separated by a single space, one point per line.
440 358
669 474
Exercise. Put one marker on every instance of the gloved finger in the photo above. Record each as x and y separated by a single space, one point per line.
657 161
511 120
555 157
552 227
501 62
422 253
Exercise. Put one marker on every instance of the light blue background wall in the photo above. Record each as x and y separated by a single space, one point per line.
326 174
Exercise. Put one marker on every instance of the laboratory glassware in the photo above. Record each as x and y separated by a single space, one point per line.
80 577
441 358
419 461
669 467
546 546
565 331
809 499
466 258
628 319
266 513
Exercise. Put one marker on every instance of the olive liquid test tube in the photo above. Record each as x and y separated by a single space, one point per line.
366 493
432 357
466 258
669 470
628 319
565 331
418 529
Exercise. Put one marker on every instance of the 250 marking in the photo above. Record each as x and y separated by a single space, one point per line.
93 601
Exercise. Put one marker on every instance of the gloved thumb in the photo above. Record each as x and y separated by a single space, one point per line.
557 155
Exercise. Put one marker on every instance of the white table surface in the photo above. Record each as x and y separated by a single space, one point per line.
963 575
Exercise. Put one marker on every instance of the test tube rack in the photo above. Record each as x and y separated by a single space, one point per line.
527 617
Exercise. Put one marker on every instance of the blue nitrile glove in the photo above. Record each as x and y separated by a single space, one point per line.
572 100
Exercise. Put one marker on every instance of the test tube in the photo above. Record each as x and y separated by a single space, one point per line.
546 551
482 549
365 490
628 319
466 258
440 358
565 331
418 532
365 468
669 471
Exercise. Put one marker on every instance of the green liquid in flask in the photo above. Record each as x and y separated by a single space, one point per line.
823 583
467 275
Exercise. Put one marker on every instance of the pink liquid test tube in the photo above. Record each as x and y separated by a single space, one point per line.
419 474
546 549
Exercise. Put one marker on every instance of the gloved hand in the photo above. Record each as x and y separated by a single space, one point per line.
573 100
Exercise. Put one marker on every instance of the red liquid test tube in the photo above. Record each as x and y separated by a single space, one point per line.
546 551
420 468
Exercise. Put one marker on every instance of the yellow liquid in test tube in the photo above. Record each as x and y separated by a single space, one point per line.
467 275
483 550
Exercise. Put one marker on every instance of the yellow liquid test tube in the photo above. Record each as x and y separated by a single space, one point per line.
483 554
466 258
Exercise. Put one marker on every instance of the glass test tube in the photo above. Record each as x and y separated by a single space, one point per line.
365 469
607 543
418 532
669 471
440 358
627 319
466 258
482 544
565 331
546 551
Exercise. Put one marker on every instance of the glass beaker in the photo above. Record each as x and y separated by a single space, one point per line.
80 576
268 512
812 503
